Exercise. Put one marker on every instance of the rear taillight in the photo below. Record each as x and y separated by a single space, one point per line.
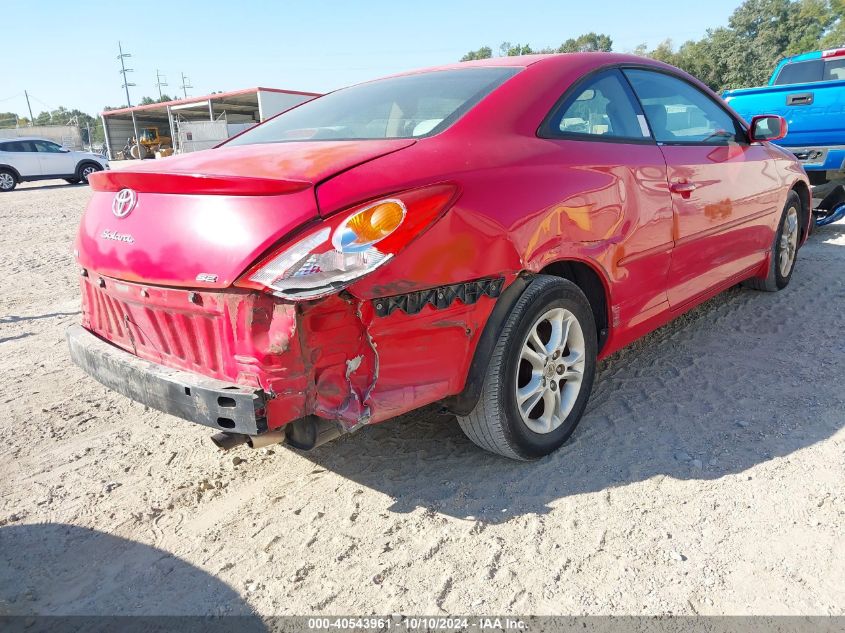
350 245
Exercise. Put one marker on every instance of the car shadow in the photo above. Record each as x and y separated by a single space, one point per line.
15 337
35 186
35 317
743 379
53 571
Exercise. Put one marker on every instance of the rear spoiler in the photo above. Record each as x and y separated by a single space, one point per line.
154 182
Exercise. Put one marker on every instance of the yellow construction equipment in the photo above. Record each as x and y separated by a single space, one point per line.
150 142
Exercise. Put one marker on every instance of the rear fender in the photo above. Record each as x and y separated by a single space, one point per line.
464 402
14 171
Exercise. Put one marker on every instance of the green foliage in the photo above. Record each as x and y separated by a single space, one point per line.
485 52
589 42
759 34
583 43
511 50
150 100
10 119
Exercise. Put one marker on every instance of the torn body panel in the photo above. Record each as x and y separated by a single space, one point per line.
334 358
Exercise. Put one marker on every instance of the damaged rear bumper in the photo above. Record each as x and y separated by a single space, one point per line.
343 360
207 401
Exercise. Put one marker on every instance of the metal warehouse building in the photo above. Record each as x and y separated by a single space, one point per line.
197 123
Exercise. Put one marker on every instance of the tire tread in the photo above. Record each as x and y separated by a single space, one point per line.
485 425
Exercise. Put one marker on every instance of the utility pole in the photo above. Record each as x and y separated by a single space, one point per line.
161 81
126 86
185 85
31 118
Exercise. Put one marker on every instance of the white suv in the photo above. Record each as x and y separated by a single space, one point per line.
29 158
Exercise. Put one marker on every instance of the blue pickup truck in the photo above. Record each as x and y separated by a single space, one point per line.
809 92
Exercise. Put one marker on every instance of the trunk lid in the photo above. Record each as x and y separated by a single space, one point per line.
200 220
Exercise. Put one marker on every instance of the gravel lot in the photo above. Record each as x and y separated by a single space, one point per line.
707 476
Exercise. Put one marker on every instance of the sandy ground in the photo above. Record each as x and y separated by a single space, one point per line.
707 476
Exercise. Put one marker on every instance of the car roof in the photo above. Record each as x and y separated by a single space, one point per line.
557 59
26 138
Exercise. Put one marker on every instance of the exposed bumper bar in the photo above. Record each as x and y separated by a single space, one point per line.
214 403
820 158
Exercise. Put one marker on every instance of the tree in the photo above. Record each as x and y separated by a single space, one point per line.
9 119
836 36
485 52
589 42
758 35
583 43
511 50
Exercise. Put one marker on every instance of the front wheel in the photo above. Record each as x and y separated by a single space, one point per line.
540 374
784 249
86 171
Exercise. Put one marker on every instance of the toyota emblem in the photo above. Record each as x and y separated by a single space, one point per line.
123 203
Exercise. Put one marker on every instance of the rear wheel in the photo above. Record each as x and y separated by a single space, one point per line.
784 249
540 374
7 180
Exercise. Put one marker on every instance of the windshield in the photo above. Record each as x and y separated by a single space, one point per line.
811 71
410 106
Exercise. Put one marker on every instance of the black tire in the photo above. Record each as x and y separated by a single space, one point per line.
73 181
8 181
86 169
777 278
496 423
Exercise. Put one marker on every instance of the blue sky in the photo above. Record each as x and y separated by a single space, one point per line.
65 53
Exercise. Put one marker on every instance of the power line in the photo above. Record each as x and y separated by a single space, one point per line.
12 97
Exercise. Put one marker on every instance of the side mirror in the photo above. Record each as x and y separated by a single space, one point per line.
768 127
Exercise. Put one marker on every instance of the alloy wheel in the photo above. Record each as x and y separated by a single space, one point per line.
7 181
550 371
788 241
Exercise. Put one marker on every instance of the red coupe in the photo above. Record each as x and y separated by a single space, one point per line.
476 235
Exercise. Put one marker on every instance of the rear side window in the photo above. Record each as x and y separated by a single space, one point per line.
410 106
602 107
678 112
801 72
811 71
16 146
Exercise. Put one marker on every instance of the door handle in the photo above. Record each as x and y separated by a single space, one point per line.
683 188
800 98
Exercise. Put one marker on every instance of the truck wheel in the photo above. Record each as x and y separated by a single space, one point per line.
784 249
7 180
540 374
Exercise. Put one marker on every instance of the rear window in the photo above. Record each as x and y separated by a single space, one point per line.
411 106
811 71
